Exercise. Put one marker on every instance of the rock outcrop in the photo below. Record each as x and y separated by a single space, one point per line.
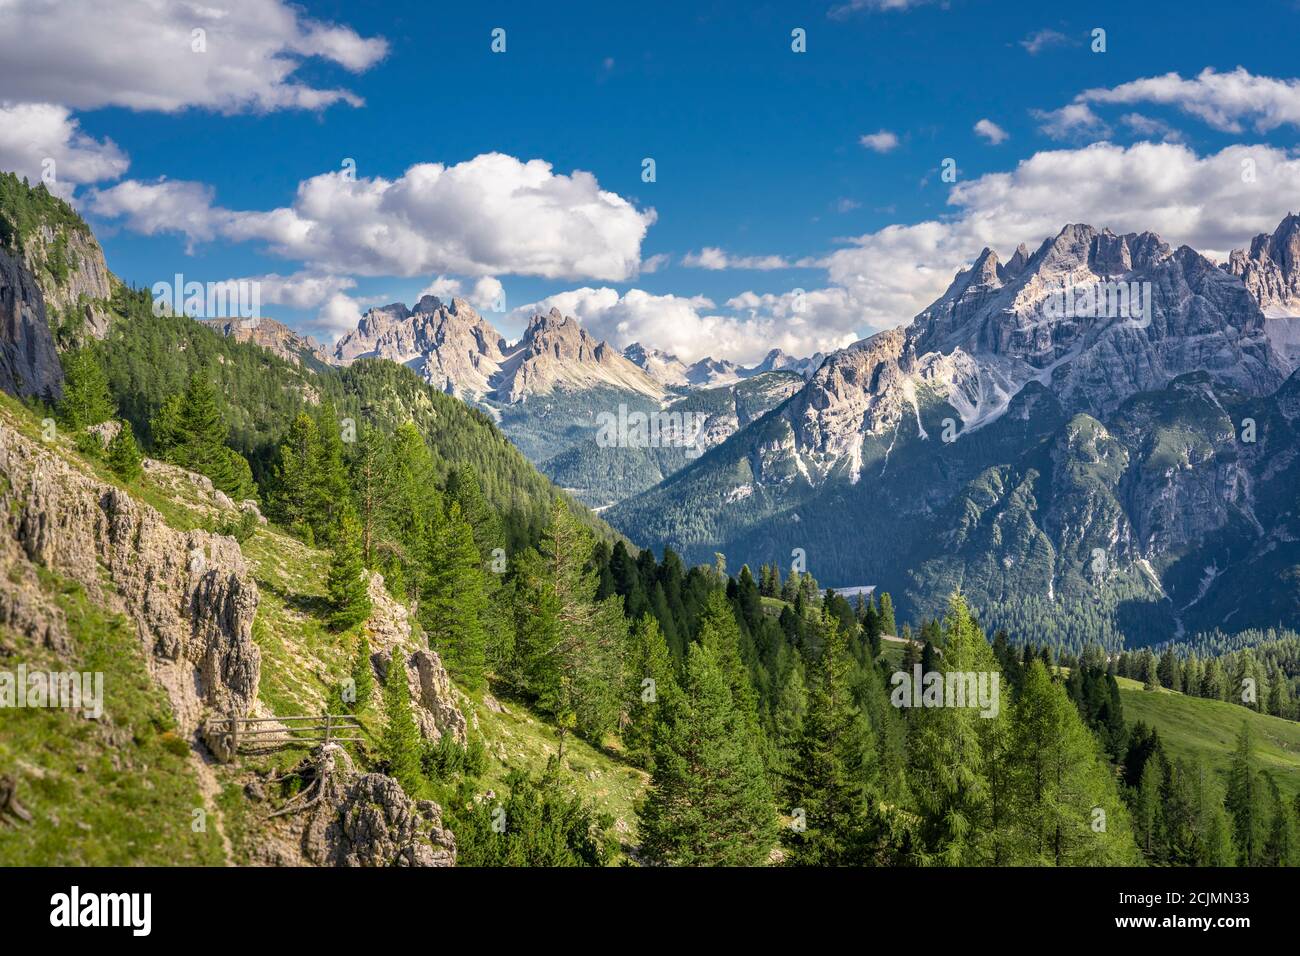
276 337
432 694
29 365
189 592
83 284
367 820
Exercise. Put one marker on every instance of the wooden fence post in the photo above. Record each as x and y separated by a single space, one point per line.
234 733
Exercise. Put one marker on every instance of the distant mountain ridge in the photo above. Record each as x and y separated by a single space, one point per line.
1074 469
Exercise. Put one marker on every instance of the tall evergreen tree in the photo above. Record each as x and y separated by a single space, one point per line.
648 678
833 771
708 803
452 599
400 744
86 397
346 583
124 456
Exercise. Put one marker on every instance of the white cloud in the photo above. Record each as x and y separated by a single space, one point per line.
853 6
491 215
35 135
1041 40
163 206
656 262
1166 188
486 294
1223 100
338 316
1151 128
690 328
301 290
880 142
991 131
140 54
715 259
1075 121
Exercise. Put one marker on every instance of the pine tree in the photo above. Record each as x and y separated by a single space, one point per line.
400 744
346 583
297 500
952 753
452 599
833 770
568 646
124 458
648 678
86 397
720 632
1245 801
887 625
363 674
708 803
1065 809
193 434
331 473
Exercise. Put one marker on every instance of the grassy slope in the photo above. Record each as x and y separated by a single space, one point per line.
114 792
301 659
1196 728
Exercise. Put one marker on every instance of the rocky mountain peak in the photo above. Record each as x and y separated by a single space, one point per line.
1271 268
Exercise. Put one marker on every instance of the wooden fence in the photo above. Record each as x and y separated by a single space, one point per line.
256 734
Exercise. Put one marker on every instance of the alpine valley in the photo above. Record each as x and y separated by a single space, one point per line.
1089 475
1074 465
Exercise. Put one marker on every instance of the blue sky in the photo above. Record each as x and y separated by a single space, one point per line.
759 150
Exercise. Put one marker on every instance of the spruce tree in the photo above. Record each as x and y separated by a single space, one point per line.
86 397
363 674
124 458
400 744
708 803
1245 800
568 646
648 678
347 584
452 598
297 501
1066 809
831 779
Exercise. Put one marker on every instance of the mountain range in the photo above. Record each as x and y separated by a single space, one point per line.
1081 469
548 390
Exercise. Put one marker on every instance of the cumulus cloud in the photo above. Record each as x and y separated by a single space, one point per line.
1151 128
715 259
1203 201
338 316
147 55
879 142
1074 121
692 327
1223 100
487 294
301 290
991 131
42 141
488 216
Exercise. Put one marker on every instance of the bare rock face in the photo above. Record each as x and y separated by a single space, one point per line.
432 695
86 285
389 632
452 346
275 337
29 365
436 696
189 593
367 820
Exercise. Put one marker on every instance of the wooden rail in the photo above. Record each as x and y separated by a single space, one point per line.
266 733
